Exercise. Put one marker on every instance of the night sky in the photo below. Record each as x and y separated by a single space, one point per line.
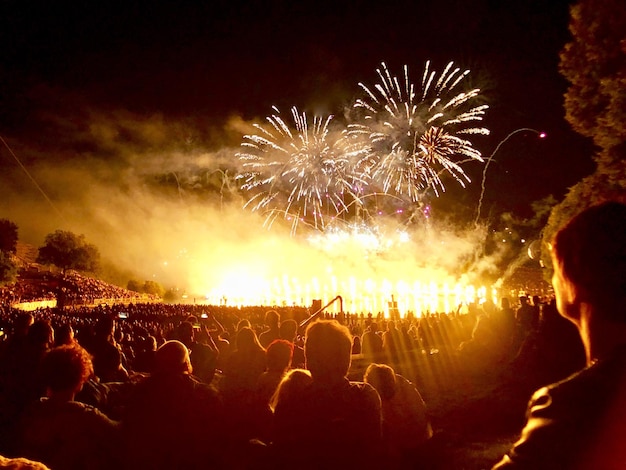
201 63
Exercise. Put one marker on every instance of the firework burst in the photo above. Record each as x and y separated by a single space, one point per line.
410 140
301 173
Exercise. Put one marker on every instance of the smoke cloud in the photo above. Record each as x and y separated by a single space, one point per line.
154 195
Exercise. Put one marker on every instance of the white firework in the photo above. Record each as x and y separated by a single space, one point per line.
302 173
410 140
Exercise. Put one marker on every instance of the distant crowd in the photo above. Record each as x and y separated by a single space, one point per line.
69 289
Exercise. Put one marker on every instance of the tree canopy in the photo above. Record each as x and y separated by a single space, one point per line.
594 63
8 236
8 247
67 250
8 269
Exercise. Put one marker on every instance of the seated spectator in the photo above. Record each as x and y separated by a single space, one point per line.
22 385
292 383
61 432
245 364
146 355
278 360
406 426
580 422
64 335
242 371
202 350
333 422
172 419
107 357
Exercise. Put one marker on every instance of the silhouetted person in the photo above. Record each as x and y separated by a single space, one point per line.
173 420
333 422
279 354
107 356
61 432
272 320
146 355
241 376
289 331
580 422
406 426
392 342
202 350
372 341
524 318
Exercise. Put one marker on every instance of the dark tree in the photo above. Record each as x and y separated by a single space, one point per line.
153 288
135 285
594 63
69 251
8 269
8 236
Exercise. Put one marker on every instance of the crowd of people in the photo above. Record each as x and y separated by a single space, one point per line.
247 362
68 289
150 385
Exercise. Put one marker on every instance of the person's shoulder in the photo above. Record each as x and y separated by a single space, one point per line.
583 396
597 379
201 388
364 391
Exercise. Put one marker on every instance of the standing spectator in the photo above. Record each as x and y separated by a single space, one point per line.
371 341
392 342
524 319
272 320
580 422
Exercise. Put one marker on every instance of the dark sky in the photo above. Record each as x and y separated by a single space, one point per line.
207 61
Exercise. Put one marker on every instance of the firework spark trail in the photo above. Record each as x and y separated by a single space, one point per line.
299 175
409 141
541 135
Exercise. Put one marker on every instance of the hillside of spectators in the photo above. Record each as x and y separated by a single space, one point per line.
71 288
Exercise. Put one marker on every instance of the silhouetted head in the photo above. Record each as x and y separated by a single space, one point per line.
66 368
172 358
105 327
41 334
382 378
589 255
327 349
272 318
247 340
279 354
290 387
289 329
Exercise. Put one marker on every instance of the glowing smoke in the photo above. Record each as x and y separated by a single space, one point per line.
157 197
